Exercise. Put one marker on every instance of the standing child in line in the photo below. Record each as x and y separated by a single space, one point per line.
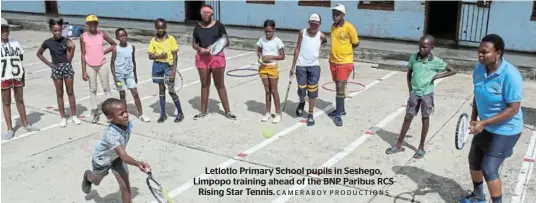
163 50
92 46
270 49
424 69
62 52
110 153
12 80
307 66
123 67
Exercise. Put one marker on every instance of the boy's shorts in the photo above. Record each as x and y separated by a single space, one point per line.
340 72
117 166
268 71
161 73
127 81
62 71
425 103
307 77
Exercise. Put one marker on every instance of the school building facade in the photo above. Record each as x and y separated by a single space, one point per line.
460 22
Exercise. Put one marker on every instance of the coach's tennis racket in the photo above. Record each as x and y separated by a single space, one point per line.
179 81
462 131
159 193
218 46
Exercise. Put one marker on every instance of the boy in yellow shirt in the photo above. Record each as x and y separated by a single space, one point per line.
163 50
341 61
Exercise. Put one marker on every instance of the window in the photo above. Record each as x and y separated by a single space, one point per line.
261 2
533 16
322 3
377 5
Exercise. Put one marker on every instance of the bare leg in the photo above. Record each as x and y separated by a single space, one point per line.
70 93
218 75
59 97
6 107
124 187
204 77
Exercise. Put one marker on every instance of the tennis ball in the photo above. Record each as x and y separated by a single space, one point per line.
118 84
260 60
267 133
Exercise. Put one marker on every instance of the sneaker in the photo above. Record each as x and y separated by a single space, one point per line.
299 110
30 128
86 184
472 198
144 119
338 121
96 116
277 118
75 120
266 117
162 119
334 113
230 115
8 135
310 120
179 118
63 122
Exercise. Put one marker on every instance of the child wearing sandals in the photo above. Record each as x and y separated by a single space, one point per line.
424 69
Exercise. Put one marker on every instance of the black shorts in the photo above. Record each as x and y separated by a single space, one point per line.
117 166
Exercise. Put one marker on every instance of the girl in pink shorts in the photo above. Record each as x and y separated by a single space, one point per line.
205 34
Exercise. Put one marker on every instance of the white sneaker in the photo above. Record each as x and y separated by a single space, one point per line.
63 122
144 119
76 120
266 117
277 118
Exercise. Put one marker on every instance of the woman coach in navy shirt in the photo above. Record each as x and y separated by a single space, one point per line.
498 89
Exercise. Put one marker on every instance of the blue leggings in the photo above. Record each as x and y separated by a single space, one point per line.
488 152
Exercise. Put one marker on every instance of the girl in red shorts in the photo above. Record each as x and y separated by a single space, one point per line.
12 78
205 34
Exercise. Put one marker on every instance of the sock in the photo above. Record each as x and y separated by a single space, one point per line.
339 105
479 189
162 105
496 199
178 105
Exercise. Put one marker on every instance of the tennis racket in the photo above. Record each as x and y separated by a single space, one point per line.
159 193
286 95
218 46
462 131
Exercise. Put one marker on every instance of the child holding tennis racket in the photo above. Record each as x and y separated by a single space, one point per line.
110 153
123 67
163 50
270 49
424 69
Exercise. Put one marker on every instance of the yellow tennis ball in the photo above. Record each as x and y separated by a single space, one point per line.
118 84
267 133
260 60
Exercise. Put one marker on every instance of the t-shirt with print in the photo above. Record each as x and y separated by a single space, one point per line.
270 48
12 53
423 70
57 49
113 137
167 45
207 36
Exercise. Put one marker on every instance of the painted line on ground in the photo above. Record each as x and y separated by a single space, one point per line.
87 115
348 149
102 93
184 187
525 173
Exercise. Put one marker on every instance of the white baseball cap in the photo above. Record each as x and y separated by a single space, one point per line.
314 17
339 7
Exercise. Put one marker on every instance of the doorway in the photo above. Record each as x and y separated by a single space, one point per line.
51 8
192 10
442 19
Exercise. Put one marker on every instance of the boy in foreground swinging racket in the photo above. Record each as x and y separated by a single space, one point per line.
110 151
424 69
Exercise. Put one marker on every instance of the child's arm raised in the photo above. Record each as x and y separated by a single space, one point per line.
131 161
110 41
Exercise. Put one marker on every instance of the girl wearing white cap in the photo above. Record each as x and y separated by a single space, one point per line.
306 65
